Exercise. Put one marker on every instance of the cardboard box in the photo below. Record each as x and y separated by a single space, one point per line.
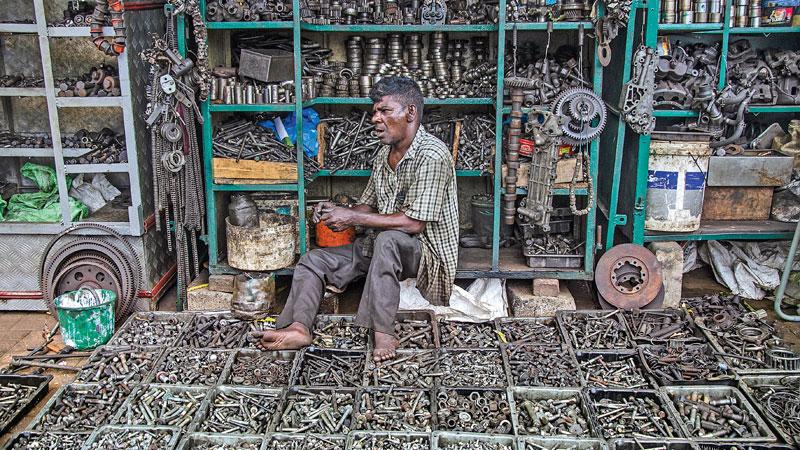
737 203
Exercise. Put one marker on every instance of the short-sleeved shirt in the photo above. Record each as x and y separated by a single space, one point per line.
423 187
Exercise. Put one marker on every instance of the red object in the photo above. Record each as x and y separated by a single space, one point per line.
329 238
526 147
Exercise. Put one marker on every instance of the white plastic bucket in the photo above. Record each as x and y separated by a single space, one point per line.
676 182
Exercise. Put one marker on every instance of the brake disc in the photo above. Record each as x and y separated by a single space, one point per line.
628 276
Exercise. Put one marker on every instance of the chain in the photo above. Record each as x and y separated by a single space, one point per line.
582 164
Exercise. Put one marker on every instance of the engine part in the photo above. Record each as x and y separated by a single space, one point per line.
115 9
585 114
628 276
616 16
249 11
433 12
70 262
636 102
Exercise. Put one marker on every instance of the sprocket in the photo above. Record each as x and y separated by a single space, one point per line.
585 115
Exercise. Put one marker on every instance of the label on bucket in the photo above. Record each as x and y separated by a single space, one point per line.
663 179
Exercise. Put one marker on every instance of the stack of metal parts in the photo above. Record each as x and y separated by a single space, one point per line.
549 77
452 68
475 133
70 262
98 82
20 81
25 140
78 14
231 90
398 12
698 11
773 74
476 379
113 11
106 147
172 117
245 139
248 11
543 11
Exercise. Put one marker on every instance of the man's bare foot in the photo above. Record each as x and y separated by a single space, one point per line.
385 346
292 337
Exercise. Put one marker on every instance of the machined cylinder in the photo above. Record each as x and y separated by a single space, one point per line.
249 94
668 11
686 14
755 13
238 94
700 11
715 11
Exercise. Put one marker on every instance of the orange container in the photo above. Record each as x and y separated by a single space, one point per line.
329 238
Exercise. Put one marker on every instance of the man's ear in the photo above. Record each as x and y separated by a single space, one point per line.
412 113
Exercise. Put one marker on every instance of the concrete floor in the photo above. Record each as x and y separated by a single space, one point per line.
21 332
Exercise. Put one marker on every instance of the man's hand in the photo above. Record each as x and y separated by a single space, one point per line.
320 208
338 218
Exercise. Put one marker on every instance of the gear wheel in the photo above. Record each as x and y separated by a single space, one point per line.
585 112
519 82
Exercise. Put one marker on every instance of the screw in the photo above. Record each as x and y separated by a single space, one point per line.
551 416
331 368
307 442
472 368
317 411
47 440
162 405
598 330
186 366
394 410
414 334
409 369
84 407
241 411
467 335
378 442
639 415
520 331
538 365
619 371
340 333
122 438
118 364
210 331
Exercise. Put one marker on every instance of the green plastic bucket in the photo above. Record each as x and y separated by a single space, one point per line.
86 317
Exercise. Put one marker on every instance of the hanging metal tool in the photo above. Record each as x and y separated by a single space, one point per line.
616 16
172 116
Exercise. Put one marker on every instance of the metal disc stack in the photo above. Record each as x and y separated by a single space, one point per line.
72 261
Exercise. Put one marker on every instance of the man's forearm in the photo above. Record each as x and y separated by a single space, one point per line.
366 217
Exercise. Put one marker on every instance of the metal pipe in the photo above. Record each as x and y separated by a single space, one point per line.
787 268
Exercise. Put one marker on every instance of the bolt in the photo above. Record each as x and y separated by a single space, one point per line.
551 416
472 368
122 438
213 331
539 365
597 330
409 369
331 368
638 415
317 411
84 407
467 335
619 371
187 366
261 368
241 411
162 405
339 333
394 410
47 440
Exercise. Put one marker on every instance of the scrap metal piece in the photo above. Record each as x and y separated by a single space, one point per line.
628 276
636 101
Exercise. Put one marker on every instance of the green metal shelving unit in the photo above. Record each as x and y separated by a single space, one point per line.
491 261
626 154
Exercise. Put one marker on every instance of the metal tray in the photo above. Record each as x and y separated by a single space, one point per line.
727 445
418 314
714 392
36 422
751 381
340 439
284 355
223 353
353 437
611 314
361 392
465 392
712 339
176 434
612 356
158 316
695 334
548 321
347 318
401 354
300 363
119 417
647 444
440 323
206 405
441 439
515 394
239 342
593 394
89 367
729 379
42 385
294 390
83 437
190 440
502 367
565 349
563 442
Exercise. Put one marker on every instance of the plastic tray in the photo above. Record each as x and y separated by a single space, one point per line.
612 356
10 444
502 367
369 381
419 315
90 368
324 353
413 393
190 440
563 442
611 314
36 422
339 439
714 392
548 321
442 323
647 444
139 391
285 355
353 437
157 316
750 381
695 335
727 379
222 353
42 384
294 391
176 434
594 394
441 439
564 349
766 370
465 391
206 407
517 395
347 318
238 342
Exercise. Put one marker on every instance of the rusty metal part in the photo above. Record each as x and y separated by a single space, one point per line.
628 276
542 365
394 410
214 331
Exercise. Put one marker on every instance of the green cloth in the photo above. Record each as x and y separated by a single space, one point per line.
42 206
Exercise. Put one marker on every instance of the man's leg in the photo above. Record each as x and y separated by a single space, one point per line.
337 266
396 257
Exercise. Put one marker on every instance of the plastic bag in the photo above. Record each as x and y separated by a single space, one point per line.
253 296
242 211
42 206
88 194
310 122
101 183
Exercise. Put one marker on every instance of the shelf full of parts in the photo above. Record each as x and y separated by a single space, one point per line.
74 146
713 67
453 50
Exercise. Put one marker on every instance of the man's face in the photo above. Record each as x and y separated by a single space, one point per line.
391 120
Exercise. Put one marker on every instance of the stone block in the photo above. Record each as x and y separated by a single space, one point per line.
204 299
525 304
545 287
221 283
670 255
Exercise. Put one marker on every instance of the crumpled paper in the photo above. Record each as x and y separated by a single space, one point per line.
485 299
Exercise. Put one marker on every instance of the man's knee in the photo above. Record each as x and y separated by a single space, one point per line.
388 242
311 258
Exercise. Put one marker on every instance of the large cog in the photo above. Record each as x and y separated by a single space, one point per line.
585 115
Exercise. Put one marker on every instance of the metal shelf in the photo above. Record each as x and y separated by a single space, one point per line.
22 92
89 102
366 173
249 25
283 107
76 31
765 109
29 152
255 187
372 28
27 28
764 30
743 230
579 190
97 168
428 101
689 27
542 26
674 113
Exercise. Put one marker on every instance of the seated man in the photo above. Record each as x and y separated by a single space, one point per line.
411 199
